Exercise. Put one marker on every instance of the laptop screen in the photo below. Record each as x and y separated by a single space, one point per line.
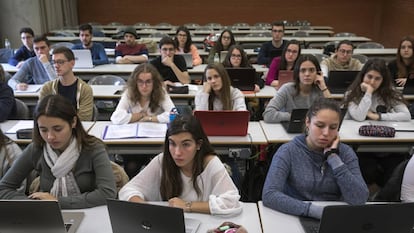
83 59
224 123
242 78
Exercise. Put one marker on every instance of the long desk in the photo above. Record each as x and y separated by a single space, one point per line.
97 219
277 222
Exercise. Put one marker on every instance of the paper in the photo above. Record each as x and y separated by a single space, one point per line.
144 129
30 89
20 125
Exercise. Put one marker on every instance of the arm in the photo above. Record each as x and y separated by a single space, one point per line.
17 57
22 75
167 104
180 72
50 71
85 111
239 103
201 100
358 112
398 112
273 73
273 112
122 113
95 158
196 57
99 55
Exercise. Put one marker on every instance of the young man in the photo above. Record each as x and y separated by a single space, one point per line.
68 85
26 50
267 51
35 70
97 50
131 52
172 68
341 59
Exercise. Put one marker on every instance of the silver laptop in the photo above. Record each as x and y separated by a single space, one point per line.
188 57
36 216
147 218
83 59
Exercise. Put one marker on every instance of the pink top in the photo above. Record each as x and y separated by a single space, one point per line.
194 52
273 72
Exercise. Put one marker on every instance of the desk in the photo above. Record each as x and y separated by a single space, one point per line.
277 222
97 219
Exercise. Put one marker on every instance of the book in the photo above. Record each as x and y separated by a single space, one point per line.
136 130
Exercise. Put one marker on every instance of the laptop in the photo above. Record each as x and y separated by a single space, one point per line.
224 123
297 121
83 59
36 216
148 218
409 85
242 78
375 218
188 57
285 76
339 80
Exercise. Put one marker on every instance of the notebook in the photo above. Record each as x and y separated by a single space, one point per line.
375 218
83 59
224 123
409 86
147 218
135 130
285 76
188 57
35 216
242 78
339 80
297 121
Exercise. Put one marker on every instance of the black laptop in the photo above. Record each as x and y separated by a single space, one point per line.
297 121
409 85
339 80
242 78
371 218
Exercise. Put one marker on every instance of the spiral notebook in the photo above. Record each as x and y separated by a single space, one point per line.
136 130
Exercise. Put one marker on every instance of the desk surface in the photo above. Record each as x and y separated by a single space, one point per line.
97 219
277 222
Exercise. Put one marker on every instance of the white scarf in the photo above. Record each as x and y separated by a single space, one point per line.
61 167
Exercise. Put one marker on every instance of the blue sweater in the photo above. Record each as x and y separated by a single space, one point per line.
98 53
21 54
297 175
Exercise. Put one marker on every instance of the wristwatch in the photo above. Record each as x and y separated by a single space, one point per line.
331 151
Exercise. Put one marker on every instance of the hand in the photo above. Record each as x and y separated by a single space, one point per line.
168 82
401 81
206 87
372 115
334 145
177 202
256 88
22 86
167 61
42 196
44 58
366 88
20 64
320 81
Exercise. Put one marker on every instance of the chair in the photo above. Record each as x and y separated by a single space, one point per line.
192 25
97 32
263 25
95 113
320 56
305 27
370 45
214 25
65 34
240 25
361 57
107 80
262 34
345 34
5 54
251 45
21 111
115 24
330 47
165 25
392 189
142 24
61 44
157 35
301 34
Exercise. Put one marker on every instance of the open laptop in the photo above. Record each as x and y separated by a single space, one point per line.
147 218
339 80
285 76
242 78
36 216
297 121
224 123
188 57
409 85
83 59
375 218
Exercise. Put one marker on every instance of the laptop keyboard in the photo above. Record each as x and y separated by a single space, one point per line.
310 225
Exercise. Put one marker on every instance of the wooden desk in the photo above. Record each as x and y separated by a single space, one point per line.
249 218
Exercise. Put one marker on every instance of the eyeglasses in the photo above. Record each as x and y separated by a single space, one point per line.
292 51
58 62
146 82
167 49
182 35
406 47
226 37
310 70
39 48
277 31
238 56
343 51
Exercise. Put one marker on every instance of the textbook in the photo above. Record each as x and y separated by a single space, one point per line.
135 130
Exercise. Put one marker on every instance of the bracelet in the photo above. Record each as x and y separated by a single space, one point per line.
324 89
188 205
331 151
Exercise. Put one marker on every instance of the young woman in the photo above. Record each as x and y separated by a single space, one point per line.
237 57
184 44
403 66
217 92
287 61
188 175
314 166
145 99
372 95
223 43
308 86
74 167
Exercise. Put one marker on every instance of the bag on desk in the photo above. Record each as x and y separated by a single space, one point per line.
177 89
377 131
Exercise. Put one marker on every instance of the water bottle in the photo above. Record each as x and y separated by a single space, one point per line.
216 58
173 114
7 44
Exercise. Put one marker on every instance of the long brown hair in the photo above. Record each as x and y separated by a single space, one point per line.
402 70
225 91
157 94
171 183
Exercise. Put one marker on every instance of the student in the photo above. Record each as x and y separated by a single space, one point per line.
9 152
341 60
237 57
26 50
184 44
35 70
403 65
188 175
74 167
145 99
223 43
7 102
130 52
77 91
314 166
286 61
97 50
277 43
308 86
172 68
217 92
371 88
